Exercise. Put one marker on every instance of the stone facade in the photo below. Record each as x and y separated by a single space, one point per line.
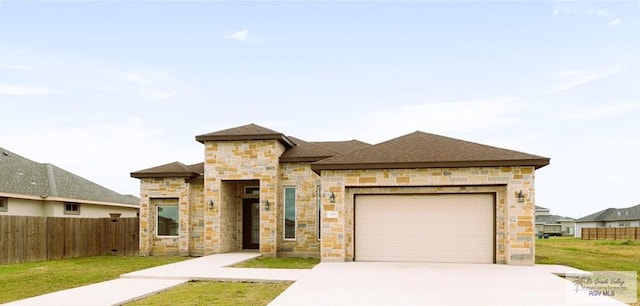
514 220
248 172
307 182
237 161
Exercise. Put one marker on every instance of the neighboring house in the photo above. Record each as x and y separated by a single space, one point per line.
610 217
418 197
28 188
553 225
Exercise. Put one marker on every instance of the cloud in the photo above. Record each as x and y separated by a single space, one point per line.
16 90
154 85
563 11
601 13
12 67
136 78
445 117
614 23
243 36
570 79
602 112
239 35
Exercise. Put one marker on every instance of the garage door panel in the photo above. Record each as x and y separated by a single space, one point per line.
427 228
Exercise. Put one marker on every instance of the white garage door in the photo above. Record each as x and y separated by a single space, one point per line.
425 228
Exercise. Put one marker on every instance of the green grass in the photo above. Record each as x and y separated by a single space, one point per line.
590 255
216 293
279 263
19 281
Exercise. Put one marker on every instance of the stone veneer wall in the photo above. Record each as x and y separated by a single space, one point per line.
306 243
156 191
241 160
196 211
228 217
514 220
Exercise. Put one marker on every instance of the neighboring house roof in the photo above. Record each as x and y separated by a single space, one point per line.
174 169
22 176
424 150
551 219
613 214
246 132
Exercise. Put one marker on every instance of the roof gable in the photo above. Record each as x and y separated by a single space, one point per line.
174 169
424 150
26 177
246 132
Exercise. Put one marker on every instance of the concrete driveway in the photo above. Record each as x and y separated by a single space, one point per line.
373 283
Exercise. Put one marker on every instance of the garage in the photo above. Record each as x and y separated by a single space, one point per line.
457 228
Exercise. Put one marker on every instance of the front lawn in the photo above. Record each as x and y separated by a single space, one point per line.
590 255
216 293
278 263
23 280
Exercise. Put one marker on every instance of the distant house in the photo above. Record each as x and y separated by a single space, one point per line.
610 217
553 225
29 188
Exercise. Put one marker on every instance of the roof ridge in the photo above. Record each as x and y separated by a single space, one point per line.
52 184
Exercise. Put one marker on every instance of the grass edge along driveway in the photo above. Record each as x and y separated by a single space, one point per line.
24 280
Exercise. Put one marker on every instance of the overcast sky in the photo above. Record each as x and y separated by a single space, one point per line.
102 89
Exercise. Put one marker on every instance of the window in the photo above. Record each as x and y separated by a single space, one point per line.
319 227
71 208
4 204
289 213
167 220
624 224
252 190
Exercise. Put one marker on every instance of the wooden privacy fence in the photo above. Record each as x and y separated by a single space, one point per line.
25 239
611 233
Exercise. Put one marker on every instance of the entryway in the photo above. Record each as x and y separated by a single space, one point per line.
250 224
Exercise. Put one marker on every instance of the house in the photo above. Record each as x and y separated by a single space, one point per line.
553 225
610 217
418 197
28 188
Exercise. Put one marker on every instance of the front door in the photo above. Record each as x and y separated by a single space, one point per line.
250 223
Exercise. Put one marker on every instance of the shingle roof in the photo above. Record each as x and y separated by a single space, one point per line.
613 214
314 151
23 176
246 132
423 150
551 219
343 146
174 169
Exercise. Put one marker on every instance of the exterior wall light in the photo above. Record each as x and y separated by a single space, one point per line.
210 204
332 198
520 197
266 205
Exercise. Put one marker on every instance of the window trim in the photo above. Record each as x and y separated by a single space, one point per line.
71 212
284 213
177 235
4 204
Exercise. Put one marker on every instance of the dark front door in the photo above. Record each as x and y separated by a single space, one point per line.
250 223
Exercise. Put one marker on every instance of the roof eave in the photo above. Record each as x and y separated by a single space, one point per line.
537 163
139 175
302 159
279 137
